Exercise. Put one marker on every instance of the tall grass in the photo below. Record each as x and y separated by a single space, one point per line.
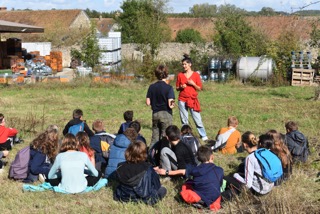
32 108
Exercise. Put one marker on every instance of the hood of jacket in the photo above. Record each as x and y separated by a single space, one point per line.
297 136
131 173
121 141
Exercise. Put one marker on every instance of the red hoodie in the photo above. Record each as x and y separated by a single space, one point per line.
6 132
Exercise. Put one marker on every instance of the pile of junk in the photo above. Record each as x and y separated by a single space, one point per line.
31 65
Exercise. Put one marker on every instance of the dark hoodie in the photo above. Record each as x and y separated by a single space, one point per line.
76 121
207 180
138 182
297 145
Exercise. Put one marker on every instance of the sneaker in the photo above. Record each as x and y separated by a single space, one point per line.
205 139
42 178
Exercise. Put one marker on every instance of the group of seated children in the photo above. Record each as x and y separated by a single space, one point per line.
84 156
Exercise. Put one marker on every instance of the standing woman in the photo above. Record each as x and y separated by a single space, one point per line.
188 83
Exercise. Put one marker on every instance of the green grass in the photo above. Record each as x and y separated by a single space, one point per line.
31 108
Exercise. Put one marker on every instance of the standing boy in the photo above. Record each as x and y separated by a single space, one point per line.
160 96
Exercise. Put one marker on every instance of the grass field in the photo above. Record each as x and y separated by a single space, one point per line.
31 108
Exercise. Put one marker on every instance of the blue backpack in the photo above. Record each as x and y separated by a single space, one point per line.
271 166
76 128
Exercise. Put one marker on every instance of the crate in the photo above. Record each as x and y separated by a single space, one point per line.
302 77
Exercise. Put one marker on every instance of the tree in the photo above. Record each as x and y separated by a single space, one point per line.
267 11
315 35
234 37
144 22
203 10
189 35
90 52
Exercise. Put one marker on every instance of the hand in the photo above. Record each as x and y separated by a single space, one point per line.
183 86
5 153
190 82
161 171
155 168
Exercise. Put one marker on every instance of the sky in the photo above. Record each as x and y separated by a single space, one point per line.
177 6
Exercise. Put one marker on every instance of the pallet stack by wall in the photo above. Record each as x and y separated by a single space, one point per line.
56 60
302 77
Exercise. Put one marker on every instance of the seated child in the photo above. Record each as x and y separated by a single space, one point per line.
250 177
128 117
3 154
297 143
204 189
100 143
69 168
6 135
138 180
84 146
117 151
77 124
177 160
43 150
188 138
282 151
136 125
228 138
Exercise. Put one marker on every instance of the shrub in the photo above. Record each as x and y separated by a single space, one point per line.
189 36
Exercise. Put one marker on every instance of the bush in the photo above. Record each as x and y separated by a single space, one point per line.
189 36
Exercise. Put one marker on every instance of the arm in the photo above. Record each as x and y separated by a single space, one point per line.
12 132
38 164
54 168
91 168
172 172
148 102
195 81
88 130
179 85
249 173
66 129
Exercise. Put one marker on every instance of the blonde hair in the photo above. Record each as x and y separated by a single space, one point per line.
232 121
98 126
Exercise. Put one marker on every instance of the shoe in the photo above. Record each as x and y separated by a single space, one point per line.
205 139
200 205
42 178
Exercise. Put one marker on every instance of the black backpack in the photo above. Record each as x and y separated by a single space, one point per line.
192 142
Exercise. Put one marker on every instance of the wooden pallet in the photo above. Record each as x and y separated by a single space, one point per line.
302 77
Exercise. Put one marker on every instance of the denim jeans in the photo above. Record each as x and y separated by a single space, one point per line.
183 108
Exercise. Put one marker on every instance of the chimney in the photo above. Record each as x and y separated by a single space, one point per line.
3 8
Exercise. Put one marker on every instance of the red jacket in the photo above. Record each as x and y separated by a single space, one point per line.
6 132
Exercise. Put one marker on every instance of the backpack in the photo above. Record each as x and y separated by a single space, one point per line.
19 167
271 166
106 141
222 139
192 142
76 128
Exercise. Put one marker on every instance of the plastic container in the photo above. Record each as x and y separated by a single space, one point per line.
260 67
